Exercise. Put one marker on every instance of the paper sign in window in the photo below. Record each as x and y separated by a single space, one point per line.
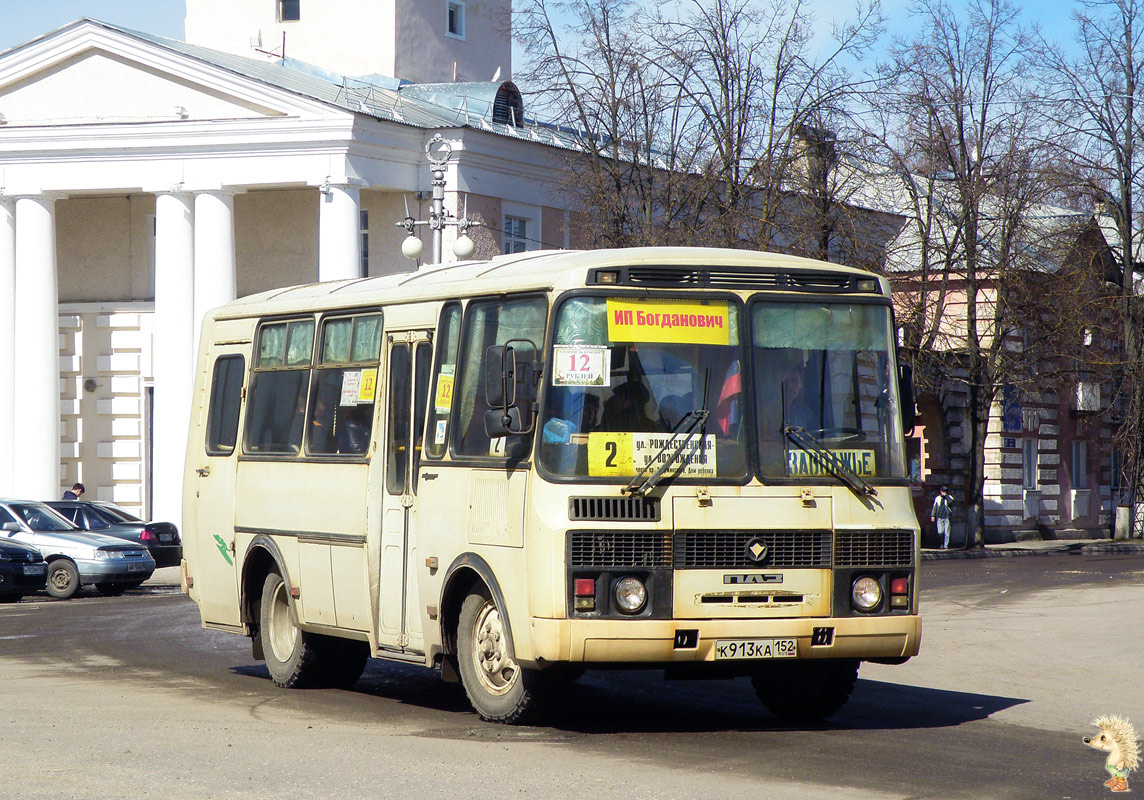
351 387
677 321
611 454
577 365
368 387
444 399
801 464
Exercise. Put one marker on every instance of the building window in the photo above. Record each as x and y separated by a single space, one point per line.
455 19
289 10
1029 463
515 234
363 225
1080 465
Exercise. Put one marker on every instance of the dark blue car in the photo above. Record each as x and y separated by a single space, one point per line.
160 538
22 570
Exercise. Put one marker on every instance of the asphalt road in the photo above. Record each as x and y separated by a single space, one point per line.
129 697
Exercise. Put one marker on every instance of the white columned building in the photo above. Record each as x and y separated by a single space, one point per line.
174 338
144 181
36 362
339 251
7 340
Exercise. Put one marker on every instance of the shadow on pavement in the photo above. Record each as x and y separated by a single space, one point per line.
607 702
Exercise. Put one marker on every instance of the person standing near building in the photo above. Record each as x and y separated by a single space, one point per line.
75 493
941 514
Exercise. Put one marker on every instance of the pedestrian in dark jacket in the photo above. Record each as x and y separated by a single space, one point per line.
941 514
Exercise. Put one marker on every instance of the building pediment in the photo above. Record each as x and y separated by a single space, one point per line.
90 73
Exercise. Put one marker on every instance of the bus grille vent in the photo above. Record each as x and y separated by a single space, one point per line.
727 549
874 549
619 549
613 509
666 277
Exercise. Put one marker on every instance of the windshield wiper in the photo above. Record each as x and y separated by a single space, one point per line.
831 461
684 432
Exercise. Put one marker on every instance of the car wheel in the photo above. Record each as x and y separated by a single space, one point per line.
11 598
63 579
111 589
498 688
806 691
293 657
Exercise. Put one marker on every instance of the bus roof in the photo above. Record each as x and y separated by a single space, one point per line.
536 270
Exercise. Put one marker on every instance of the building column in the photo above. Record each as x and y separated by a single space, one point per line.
173 352
7 343
36 362
339 229
214 254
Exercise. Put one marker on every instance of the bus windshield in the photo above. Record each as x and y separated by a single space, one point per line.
626 372
824 370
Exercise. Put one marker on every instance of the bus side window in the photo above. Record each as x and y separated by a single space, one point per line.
449 337
278 385
489 323
226 398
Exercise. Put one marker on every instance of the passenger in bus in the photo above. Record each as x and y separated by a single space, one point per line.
626 410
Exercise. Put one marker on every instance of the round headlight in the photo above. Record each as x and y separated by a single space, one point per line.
866 594
631 595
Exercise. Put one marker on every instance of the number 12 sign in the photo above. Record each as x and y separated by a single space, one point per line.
580 365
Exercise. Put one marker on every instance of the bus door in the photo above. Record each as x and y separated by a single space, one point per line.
214 571
410 357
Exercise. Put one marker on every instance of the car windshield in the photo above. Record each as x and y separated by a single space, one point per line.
625 374
824 370
41 518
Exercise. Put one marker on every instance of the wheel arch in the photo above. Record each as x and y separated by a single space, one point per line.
466 572
262 557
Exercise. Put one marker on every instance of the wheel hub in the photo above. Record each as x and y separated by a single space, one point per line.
282 631
497 670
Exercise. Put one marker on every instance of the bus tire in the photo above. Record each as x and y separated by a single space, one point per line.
499 689
293 657
805 691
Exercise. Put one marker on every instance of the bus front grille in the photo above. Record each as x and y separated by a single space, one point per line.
874 549
724 549
604 549
613 509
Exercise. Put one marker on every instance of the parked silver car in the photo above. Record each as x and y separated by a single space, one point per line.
75 557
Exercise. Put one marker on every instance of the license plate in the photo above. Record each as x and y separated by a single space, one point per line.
734 649
34 569
136 567
166 537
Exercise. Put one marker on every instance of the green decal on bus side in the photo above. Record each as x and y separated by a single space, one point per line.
222 548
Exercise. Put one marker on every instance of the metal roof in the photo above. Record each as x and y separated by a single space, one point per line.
429 106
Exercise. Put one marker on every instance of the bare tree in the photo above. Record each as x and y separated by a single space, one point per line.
962 142
1095 105
691 116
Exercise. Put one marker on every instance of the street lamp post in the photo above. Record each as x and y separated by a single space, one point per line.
438 151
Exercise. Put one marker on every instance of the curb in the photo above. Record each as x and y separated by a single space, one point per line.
1083 547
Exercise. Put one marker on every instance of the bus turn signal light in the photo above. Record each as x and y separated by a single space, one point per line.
585 591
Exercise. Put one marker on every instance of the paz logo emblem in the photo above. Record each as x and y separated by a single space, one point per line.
756 551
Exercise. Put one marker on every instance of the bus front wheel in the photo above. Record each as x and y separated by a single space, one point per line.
805 691
499 689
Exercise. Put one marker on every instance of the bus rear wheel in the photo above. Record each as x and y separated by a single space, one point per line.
292 656
805 691
499 689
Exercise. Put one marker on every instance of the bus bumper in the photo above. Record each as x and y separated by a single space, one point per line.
656 641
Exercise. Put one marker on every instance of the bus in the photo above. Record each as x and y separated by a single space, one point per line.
519 469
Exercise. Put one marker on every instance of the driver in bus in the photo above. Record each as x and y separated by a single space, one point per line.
626 409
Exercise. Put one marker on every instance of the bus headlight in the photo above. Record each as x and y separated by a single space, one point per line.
866 594
631 595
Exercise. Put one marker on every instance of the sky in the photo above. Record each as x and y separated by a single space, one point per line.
23 20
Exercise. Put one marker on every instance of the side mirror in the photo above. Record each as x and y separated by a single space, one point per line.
509 386
13 527
906 391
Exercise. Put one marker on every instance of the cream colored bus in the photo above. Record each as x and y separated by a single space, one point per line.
514 470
